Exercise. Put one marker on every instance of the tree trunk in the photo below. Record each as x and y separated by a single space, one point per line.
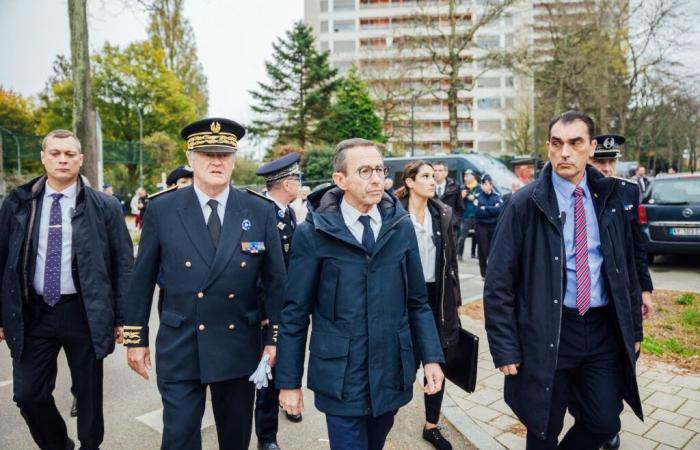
83 114
452 105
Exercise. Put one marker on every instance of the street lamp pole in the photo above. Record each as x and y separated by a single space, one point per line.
19 161
140 148
413 124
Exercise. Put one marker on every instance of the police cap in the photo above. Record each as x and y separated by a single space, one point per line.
286 166
180 172
213 135
608 146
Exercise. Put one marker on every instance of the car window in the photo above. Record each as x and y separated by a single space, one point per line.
675 192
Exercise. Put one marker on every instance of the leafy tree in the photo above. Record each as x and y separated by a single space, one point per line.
171 31
353 113
244 172
16 112
297 95
56 100
317 164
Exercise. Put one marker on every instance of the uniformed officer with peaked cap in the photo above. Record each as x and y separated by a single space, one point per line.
282 180
604 159
214 246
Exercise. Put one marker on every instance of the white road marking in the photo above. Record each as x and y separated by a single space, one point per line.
154 419
5 383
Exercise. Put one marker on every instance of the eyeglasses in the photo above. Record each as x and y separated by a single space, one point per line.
577 144
365 172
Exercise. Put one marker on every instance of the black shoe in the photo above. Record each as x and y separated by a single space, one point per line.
268 445
437 439
74 408
612 444
70 445
296 418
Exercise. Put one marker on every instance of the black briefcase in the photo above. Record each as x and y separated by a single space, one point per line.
461 361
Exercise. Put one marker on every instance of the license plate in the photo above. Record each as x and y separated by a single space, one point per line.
685 231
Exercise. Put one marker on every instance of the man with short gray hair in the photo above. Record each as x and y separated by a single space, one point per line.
65 261
356 269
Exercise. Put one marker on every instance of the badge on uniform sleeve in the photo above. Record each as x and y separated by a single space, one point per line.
253 247
245 225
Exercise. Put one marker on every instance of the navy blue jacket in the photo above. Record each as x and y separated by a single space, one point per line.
366 309
488 207
102 260
631 194
210 323
523 292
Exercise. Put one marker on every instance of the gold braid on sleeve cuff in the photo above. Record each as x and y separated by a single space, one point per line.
275 332
135 336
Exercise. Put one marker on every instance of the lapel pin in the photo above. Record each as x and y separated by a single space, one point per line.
280 214
245 225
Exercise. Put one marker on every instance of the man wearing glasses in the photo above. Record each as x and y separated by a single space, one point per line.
356 269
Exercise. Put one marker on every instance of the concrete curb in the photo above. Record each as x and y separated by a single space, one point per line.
465 425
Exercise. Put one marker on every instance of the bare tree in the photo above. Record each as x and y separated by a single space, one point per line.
83 113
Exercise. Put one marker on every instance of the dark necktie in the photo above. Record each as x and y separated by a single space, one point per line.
54 246
367 234
214 223
583 273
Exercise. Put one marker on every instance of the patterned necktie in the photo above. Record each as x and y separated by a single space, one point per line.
214 223
54 245
583 273
367 234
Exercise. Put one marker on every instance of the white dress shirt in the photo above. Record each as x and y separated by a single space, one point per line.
206 209
67 207
351 216
426 245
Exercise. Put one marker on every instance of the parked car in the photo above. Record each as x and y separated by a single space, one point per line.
457 164
670 215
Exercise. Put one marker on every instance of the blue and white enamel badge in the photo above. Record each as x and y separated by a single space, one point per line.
246 225
280 213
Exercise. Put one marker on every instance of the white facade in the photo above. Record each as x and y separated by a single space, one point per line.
364 33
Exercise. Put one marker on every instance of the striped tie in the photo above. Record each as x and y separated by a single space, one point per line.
583 273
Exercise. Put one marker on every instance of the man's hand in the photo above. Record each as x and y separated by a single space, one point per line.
637 346
433 373
2 334
292 400
647 306
119 334
509 369
272 351
139 359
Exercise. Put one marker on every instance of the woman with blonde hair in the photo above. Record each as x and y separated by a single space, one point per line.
432 221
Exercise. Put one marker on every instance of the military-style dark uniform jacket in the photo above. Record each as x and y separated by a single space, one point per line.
452 197
524 292
210 322
630 197
366 308
102 260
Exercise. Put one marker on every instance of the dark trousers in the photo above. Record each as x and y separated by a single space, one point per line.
50 329
484 236
359 432
266 411
183 408
466 226
433 403
587 381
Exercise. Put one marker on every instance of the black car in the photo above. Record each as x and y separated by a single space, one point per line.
670 215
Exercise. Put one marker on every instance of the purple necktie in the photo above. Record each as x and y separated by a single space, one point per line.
583 271
52 268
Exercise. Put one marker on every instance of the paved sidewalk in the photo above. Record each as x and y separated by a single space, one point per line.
671 402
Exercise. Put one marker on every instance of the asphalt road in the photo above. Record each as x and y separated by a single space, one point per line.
132 405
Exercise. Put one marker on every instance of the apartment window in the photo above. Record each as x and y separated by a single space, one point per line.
510 102
509 40
490 146
343 47
509 82
340 26
324 26
343 5
342 66
489 126
508 20
488 41
488 82
324 46
324 6
489 103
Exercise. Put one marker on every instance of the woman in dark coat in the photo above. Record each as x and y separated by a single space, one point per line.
436 244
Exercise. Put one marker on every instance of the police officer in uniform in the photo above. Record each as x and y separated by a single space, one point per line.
212 245
282 180
604 159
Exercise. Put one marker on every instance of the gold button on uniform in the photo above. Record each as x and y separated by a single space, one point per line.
231 327
231 296
201 327
200 294
243 264
188 264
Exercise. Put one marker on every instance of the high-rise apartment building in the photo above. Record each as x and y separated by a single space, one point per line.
369 34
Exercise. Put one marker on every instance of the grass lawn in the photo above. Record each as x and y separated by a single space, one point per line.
672 334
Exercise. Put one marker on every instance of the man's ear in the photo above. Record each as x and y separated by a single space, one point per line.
339 180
